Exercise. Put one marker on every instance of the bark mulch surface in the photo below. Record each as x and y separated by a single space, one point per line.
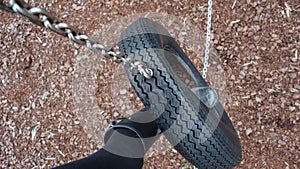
258 43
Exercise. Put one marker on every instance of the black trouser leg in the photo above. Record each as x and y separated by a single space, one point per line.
123 149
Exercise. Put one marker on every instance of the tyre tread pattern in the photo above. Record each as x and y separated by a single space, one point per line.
180 120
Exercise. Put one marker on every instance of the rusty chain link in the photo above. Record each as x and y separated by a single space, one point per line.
43 18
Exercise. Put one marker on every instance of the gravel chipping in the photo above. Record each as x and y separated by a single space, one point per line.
258 43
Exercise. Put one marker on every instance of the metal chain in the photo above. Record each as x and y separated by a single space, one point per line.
207 43
42 18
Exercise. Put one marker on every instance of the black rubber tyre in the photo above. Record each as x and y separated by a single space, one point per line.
205 137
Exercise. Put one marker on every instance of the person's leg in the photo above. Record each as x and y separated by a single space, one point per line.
125 147
103 159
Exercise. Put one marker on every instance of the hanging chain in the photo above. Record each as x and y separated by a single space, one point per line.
207 43
42 18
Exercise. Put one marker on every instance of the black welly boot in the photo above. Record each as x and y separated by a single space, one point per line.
126 143
132 137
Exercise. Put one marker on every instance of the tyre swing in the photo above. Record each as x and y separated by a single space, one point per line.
192 119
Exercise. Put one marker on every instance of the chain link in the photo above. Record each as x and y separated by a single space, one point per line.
5 7
42 18
207 43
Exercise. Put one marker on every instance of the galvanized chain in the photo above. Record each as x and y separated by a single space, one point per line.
207 43
43 18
